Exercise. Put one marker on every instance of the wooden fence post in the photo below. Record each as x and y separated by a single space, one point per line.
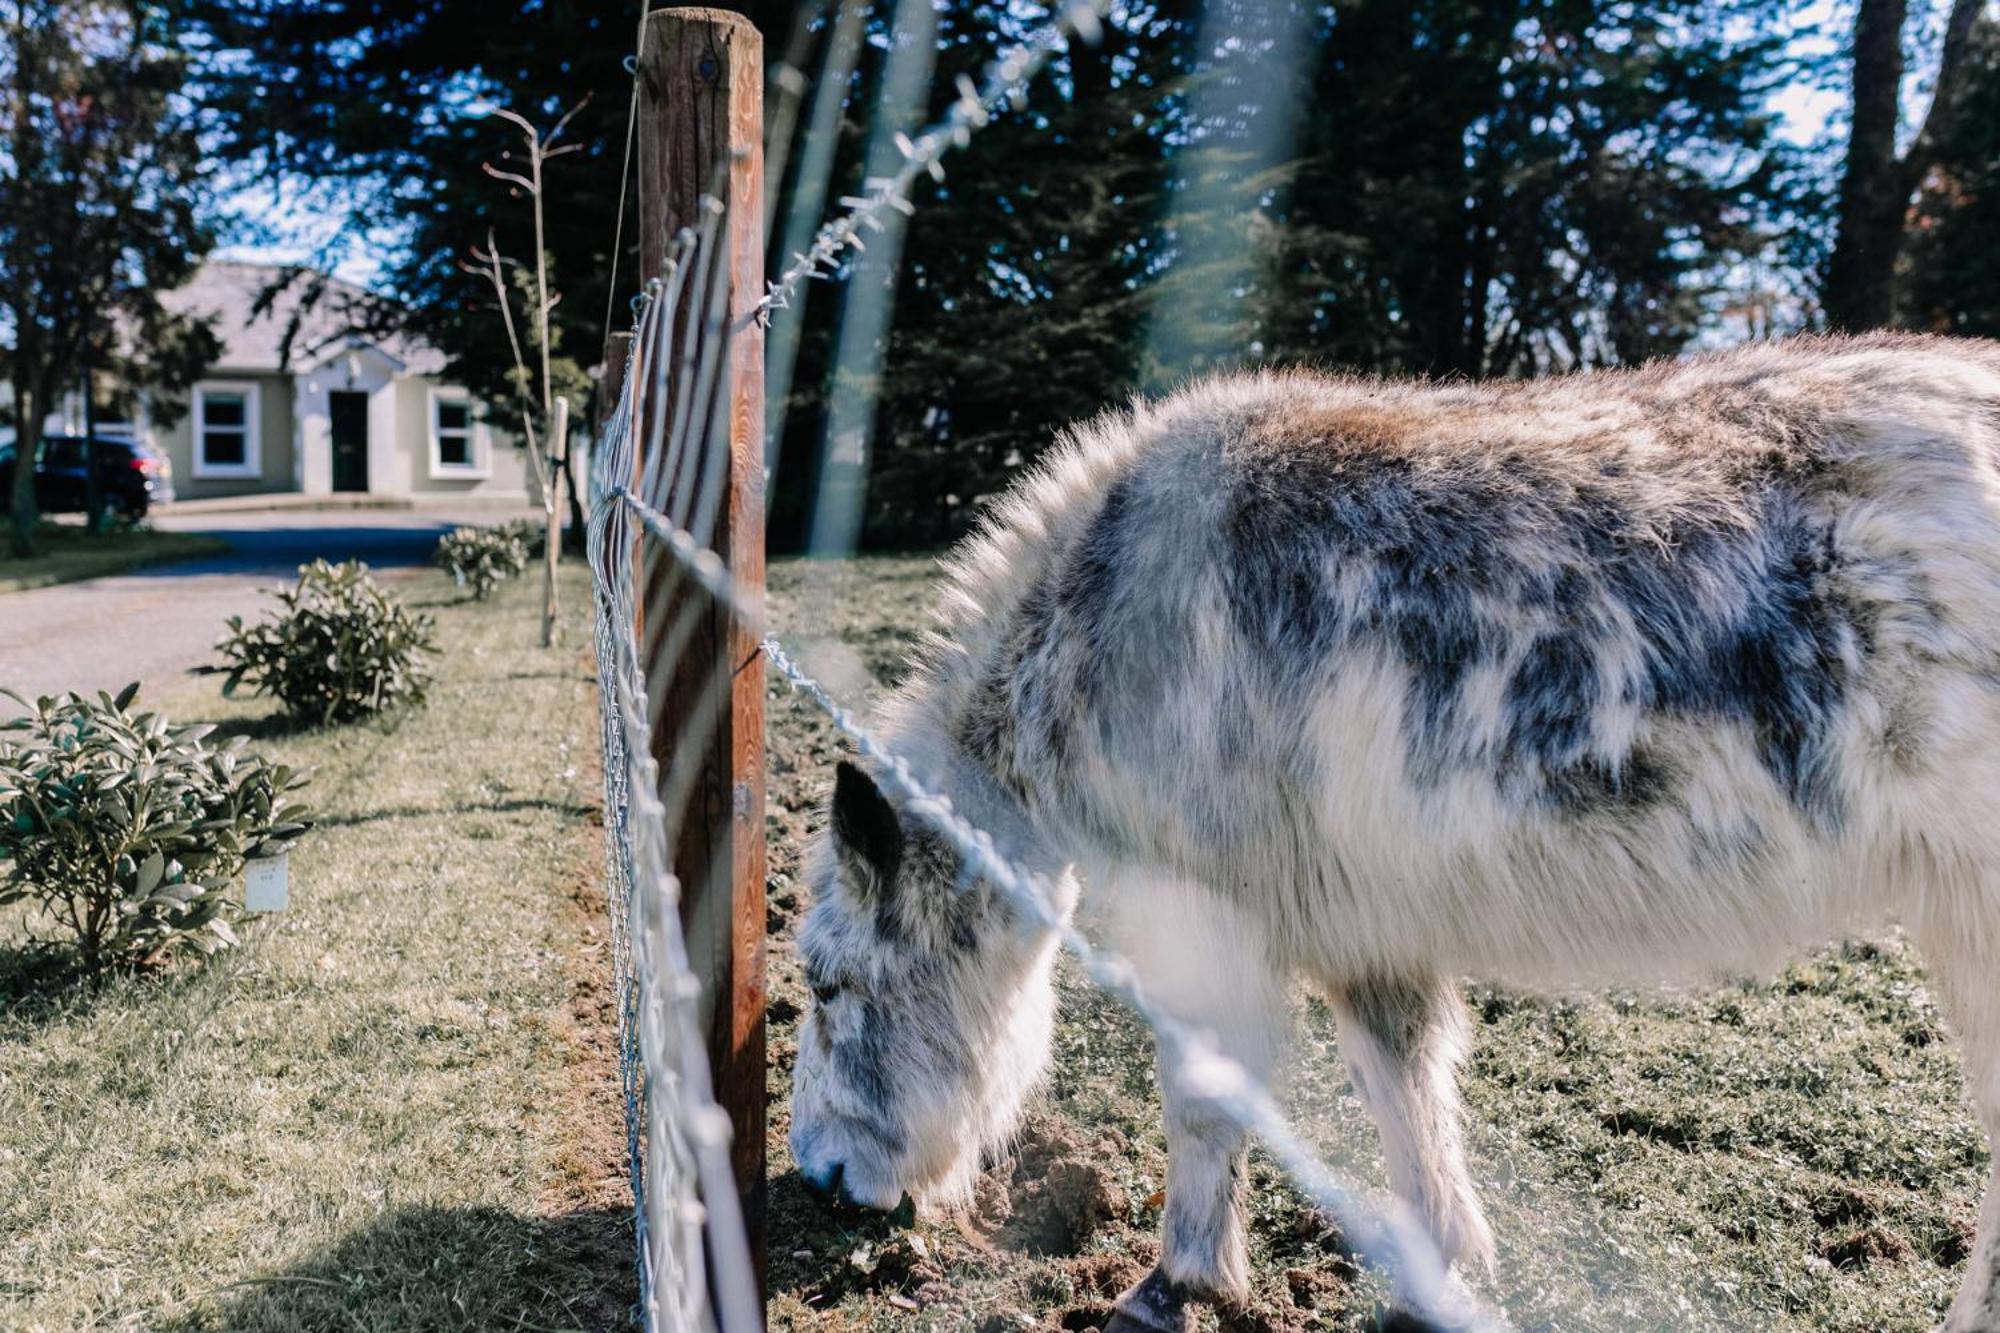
617 351
701 77
552 505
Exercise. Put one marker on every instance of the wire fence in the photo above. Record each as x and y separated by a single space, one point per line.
656 489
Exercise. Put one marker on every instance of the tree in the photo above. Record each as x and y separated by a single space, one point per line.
1950 280
380 111
1877 183
102 192
1458 188
1561 183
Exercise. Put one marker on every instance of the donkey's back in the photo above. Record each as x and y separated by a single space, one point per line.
1659 669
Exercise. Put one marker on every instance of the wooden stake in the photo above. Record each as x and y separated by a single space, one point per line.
552 506
701 77
617 351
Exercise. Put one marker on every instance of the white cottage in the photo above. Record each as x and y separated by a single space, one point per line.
342 411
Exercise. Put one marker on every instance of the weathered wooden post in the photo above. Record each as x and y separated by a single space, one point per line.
701 101
617 351
552 518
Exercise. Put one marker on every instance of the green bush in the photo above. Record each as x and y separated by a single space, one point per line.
481 557
340 648
533 534
126 832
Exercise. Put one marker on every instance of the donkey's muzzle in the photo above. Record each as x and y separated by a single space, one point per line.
830 1184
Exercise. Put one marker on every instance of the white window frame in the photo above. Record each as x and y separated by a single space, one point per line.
480 465
252 465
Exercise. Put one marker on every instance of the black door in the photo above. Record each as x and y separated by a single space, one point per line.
350 440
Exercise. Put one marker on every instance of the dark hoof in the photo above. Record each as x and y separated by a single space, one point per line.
1402 1321
1398 1320
1155 1305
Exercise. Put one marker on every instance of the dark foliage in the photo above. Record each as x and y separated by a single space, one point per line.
103 194
1433 186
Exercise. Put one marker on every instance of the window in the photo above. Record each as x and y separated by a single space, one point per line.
454 436
225 430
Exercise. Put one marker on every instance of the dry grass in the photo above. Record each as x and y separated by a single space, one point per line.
65 553
1784 1155
395 1107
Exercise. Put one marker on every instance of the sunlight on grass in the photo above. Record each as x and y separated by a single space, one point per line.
65 553
396 1105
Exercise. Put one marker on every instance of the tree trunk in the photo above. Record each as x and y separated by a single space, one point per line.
1859 278
28 413
574 538
1876 190
93 478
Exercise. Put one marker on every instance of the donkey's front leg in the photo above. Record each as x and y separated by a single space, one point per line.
1964 954
1206 964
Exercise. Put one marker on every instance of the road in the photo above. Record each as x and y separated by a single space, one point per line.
156 623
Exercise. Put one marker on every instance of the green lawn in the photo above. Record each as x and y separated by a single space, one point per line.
67 552
396 1106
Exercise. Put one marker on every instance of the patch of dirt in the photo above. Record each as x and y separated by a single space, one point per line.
1870 1245
1051 1194
1845 1204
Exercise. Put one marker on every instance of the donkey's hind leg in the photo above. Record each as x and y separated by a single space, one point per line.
1209 965
1963 952
1403 1039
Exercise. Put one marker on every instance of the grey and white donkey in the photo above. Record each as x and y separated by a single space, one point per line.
1617 676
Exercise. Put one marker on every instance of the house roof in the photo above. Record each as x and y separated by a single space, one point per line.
254 339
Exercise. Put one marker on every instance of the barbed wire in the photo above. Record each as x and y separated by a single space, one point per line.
1007 79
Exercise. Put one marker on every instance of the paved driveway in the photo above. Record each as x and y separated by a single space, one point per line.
156 623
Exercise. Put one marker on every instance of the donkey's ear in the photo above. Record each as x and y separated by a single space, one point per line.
866 831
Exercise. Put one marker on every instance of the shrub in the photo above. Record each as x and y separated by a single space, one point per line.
481 557
126 831
533 533
340 647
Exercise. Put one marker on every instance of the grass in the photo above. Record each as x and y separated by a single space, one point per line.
1786 1154
396 1106
67 552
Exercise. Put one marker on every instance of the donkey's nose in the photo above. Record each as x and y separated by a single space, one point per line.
826 1184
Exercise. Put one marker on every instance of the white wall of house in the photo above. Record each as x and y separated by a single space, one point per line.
459 454
263 428
426 438
357 368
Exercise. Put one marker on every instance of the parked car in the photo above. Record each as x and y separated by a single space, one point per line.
134 476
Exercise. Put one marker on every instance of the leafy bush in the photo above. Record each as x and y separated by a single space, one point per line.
126 831
533 533
340 648
481 557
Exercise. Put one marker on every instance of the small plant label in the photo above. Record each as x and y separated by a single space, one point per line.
266 884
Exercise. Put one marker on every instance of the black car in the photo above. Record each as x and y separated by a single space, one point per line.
134 477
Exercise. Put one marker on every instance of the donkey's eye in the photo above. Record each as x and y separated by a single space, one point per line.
824 995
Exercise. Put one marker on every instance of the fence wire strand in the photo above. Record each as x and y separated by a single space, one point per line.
688 1218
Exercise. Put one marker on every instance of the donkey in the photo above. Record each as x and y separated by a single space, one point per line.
1621 676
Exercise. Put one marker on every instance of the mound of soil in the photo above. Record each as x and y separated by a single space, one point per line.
1051 1194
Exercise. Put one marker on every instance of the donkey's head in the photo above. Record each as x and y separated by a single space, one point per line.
932 1008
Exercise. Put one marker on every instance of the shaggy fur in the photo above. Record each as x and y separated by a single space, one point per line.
1618 676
